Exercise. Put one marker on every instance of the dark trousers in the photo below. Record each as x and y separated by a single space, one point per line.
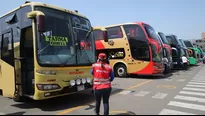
105 94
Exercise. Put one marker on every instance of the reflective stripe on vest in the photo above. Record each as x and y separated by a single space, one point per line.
99 65
101 79
103 82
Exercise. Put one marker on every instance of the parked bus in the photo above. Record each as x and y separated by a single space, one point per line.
200 51
201 54
133 48
193 57
185 49
167 52
177 50
41 56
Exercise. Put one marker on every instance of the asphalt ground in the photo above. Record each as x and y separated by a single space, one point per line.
179 92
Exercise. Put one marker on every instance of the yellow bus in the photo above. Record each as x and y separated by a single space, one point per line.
41 52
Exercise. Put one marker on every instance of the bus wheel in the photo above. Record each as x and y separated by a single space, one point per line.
18 98
120 70
166 70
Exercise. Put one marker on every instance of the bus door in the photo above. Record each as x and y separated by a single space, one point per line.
27 60
7 65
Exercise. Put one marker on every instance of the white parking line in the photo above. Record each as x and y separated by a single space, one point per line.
195 86
168 79
197 83
142 93
160 95
199 78
194 89
181 80
195 99
192 93
2 113
187 105
125 92
173 112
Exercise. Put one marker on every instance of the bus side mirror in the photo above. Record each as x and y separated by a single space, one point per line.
41 23
105 36
40 17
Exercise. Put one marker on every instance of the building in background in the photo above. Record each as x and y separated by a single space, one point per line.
203 35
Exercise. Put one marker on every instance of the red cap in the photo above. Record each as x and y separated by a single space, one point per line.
102 56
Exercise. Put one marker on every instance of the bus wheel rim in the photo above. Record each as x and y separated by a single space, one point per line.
121 71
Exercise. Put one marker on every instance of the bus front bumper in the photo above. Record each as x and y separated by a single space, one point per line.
41 95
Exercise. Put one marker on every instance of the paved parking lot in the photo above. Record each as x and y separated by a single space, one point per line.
180 92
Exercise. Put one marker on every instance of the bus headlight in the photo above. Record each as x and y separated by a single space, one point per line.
78 81
47 72
47 86
83 80
88 80
72 82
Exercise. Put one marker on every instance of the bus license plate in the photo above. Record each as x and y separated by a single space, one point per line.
174 62
81 87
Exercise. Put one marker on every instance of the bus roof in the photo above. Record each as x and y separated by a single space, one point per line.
45 5
125 24
119 25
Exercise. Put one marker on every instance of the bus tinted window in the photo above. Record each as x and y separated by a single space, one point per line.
188 44
98 34
164 39
171 40
56 46
134 32
114 32
151 32
6 52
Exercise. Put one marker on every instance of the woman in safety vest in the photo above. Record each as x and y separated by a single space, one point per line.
103 76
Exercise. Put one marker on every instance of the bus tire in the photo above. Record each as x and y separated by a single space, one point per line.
120 70
19 98
166 69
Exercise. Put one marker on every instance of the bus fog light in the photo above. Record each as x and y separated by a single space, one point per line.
47 94
72 82
88 80
83 80
78 81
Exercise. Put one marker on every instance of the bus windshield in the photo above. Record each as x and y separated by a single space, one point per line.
182 42
164 39
64 41
188 44
172 40
138 43
151 33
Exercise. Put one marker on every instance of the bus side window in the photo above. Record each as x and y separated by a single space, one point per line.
27 42
6 51
114 32
98 34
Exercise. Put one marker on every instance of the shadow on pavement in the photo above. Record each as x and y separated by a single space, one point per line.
151 76
123 113
62 103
